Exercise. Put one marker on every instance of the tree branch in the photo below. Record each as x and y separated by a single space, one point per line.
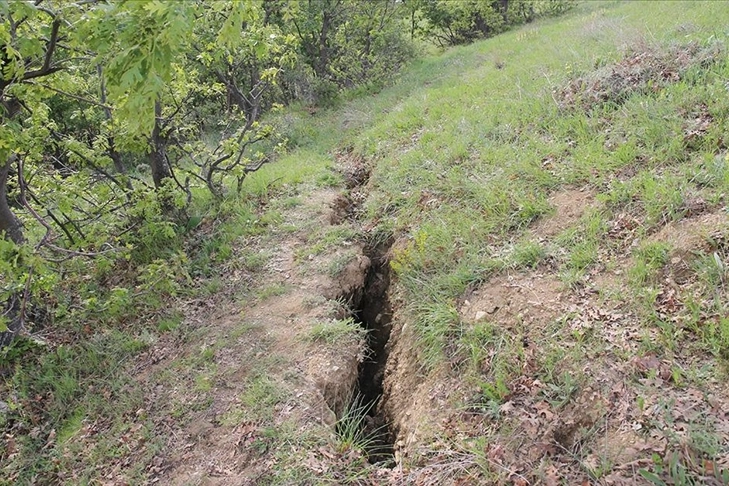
56 220
124 188
47 69
49 230
70 95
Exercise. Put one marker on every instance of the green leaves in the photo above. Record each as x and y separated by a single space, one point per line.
139 43
239 16
452 23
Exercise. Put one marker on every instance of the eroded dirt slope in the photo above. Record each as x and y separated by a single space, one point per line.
254 371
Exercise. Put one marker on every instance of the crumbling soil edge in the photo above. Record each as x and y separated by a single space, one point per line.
372 309
375 315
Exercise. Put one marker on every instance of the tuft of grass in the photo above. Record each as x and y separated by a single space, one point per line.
354 432
338 331
649 258
257 402
527 253
271 290
328 238
436 323
711 269
170 322
336 265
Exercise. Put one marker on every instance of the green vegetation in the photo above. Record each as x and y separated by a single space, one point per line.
338 332
158 201
621 103
351 429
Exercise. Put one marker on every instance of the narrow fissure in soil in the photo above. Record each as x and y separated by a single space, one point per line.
372 310
374 313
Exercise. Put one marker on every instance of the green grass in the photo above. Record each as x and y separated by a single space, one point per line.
460 165
338 332
257 402
527 253
73 387
271 290
649 258
326 238
351 429
464 157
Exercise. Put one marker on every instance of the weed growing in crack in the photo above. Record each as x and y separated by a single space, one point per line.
356 431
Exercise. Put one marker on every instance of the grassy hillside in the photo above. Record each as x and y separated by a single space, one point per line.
537 221
557 195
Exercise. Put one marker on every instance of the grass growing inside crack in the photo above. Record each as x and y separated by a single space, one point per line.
354 431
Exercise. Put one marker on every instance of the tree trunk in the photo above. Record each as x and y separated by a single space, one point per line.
12 230
504 9
11 314
321 65
9 224
158 155
412 25
236 97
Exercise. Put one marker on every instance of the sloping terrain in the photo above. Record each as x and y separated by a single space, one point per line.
558 201
510 267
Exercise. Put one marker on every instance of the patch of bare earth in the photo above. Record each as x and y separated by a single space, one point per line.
569 206
524 299
202 386
637 402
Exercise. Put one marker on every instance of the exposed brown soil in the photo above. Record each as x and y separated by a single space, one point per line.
545 438
617 406
540 435
524 300
265 339
569 206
